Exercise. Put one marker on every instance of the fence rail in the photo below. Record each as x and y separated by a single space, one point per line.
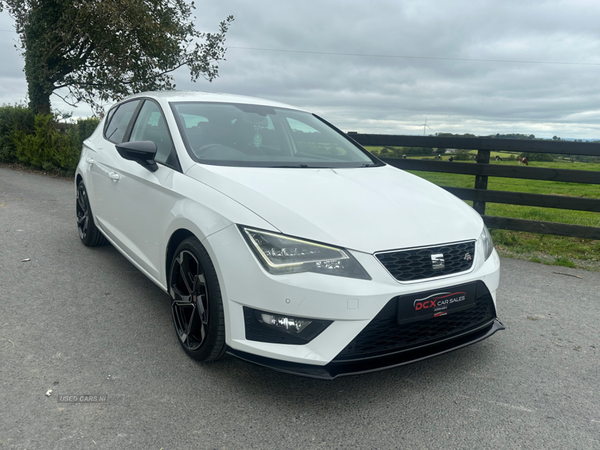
482 170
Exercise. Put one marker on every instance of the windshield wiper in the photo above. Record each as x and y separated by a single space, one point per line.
289 166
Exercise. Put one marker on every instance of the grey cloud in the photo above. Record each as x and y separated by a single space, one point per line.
388 94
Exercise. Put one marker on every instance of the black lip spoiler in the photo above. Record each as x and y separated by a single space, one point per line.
373 364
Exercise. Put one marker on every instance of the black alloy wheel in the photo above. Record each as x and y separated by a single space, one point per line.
88 232
196 302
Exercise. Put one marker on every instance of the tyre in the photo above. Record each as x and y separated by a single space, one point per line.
88 232
196 303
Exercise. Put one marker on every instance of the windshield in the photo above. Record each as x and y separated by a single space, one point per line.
263 136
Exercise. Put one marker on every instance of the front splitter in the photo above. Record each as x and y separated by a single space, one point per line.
373 364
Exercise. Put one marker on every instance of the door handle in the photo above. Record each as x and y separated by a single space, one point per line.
89 160
114 176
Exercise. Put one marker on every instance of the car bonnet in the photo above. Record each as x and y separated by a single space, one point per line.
366 209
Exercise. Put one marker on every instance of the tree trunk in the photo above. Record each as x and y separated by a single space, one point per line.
39 61
39 92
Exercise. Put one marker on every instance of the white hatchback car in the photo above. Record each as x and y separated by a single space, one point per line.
282 241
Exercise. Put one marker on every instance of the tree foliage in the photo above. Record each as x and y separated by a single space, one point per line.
13 119
398 152
537 156
101 50
463 155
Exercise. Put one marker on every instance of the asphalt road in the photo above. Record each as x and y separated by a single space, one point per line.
83 321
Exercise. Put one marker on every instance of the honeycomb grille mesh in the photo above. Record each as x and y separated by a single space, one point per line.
416 264
384 335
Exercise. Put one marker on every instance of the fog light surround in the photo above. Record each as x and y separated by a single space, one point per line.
264 326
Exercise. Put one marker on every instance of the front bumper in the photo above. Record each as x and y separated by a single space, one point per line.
352 305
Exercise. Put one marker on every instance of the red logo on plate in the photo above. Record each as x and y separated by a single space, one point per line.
439 302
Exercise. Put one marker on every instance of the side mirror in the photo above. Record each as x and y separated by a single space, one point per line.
142 152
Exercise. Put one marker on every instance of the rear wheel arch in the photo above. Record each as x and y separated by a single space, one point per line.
89 233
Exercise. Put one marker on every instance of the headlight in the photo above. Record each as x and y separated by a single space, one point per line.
486 242
280 254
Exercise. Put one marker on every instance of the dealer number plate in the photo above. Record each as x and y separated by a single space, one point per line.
438 303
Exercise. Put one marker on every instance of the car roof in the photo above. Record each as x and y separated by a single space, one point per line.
198 96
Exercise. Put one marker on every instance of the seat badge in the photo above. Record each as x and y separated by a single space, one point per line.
437 261
258 140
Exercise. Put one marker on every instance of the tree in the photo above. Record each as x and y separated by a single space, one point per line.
537 156
463 155
102 50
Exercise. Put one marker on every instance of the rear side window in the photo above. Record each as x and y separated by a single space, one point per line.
119 120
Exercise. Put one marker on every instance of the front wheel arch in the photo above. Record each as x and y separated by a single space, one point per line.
176 238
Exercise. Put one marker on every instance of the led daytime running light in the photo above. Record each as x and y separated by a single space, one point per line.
269 256
488 244
280 254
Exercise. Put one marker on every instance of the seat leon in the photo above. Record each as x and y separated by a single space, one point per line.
282 241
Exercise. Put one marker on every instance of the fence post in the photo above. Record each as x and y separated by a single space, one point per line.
481 181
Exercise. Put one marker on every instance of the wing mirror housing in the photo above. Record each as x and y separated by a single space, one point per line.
142 152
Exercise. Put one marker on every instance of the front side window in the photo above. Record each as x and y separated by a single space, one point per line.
119 120
150 125
263 136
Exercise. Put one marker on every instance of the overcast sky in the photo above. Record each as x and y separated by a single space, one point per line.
472 66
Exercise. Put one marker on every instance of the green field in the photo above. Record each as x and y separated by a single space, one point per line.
559 250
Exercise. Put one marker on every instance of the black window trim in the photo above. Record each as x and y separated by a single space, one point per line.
133 120
112 112
177 167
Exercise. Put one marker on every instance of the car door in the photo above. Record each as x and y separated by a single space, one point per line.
105 162
142 200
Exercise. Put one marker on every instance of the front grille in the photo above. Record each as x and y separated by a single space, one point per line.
383 335
416 264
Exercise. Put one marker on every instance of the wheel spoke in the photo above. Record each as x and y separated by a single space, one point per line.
178 297
81 200
190 325
203 331
184 278
201 300
82 225
187 272
180 321
203 308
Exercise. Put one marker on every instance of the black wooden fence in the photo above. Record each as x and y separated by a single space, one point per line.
480 194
